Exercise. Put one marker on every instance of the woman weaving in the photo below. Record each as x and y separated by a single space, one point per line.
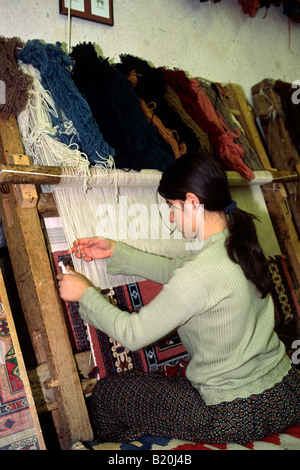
240 384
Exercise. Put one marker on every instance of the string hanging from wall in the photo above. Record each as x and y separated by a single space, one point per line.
140 110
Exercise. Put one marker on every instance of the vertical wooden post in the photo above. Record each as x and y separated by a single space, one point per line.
40 301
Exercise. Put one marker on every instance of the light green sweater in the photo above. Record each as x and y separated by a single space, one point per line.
222 322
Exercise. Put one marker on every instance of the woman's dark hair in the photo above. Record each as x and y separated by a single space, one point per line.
202 175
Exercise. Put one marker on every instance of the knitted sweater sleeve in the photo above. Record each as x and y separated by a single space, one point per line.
184 296
131 261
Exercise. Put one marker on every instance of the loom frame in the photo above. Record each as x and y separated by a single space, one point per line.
38 291
40 302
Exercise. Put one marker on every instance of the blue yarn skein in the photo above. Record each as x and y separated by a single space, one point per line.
55 67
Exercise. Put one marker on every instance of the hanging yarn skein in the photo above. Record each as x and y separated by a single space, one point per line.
37 131
74 120
14 83
229 151
151 87
117 110
174 102
215 93
201 110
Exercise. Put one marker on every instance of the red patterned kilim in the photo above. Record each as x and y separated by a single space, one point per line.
111 357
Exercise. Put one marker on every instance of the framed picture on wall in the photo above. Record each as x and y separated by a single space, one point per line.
100 11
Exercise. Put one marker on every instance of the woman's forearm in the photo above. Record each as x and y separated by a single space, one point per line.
131 261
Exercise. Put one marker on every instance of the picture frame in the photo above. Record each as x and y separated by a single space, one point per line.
100 11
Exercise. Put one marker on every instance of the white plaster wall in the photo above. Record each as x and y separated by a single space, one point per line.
216 41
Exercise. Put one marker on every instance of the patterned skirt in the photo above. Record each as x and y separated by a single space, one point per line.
133 404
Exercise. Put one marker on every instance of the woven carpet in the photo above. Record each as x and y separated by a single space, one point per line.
17 431
286 304
111 357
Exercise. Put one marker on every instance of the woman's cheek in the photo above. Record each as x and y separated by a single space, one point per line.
189 221
178 219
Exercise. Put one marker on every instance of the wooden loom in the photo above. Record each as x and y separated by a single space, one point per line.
21 207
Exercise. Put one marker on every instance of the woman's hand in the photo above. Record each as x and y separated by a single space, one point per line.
72 285
93 248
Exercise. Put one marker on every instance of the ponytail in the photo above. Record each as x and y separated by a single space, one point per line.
243 248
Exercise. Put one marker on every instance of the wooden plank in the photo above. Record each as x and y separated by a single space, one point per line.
235 99
42 385
276 199
283 154
21 364
26 193
34 174
47 206
40 301
44 398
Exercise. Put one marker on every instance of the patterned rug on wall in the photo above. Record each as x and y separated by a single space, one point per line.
17 431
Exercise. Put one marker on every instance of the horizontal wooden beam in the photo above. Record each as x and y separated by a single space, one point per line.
30 174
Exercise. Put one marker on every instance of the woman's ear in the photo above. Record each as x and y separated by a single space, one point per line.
193 199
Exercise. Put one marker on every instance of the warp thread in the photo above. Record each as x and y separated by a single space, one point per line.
74 120
14 83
